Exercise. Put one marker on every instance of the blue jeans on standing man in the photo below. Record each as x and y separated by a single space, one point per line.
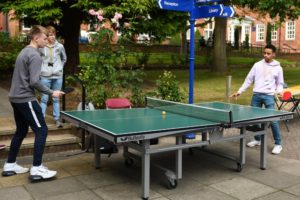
258 100
54 84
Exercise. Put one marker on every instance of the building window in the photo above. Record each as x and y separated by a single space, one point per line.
208 31
274 33
260 32
230 35
247 35
290 30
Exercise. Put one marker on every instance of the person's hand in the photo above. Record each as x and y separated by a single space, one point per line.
235 94
57 93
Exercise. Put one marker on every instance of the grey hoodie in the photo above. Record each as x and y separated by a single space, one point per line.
54 59
26 77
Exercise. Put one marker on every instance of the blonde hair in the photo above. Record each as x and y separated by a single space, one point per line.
51 29
37 30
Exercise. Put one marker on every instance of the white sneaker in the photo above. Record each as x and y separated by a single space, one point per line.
10 169
277 149
41 172
253 143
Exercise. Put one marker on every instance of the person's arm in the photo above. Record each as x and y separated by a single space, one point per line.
248 81
279 82
63 55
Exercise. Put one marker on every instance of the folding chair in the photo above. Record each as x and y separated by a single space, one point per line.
285 99
115 103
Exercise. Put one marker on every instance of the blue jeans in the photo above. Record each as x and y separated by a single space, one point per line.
54 84
258 100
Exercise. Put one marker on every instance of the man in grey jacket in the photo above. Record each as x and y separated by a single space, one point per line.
27 111
54 59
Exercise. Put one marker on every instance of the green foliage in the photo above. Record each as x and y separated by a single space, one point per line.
9 50
175 39
106 72
168 88
274 8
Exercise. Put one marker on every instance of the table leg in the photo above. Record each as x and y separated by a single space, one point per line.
242 157
145 170
263 148
97 153
179 158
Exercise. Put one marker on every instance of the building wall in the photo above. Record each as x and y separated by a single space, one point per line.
7 24
246 18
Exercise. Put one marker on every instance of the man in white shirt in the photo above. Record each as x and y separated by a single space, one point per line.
267 77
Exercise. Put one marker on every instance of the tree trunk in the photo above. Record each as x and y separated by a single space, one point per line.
71 29
219 63
183 49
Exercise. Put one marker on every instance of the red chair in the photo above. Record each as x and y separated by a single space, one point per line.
285 99
115 103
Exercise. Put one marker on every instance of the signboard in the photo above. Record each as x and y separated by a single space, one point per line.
207 1
178 5
208 11
228 11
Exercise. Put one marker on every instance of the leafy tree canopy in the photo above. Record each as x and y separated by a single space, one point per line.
275 8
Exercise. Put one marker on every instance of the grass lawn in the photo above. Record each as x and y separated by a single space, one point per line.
211 87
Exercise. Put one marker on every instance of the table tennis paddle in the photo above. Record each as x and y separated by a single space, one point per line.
67 90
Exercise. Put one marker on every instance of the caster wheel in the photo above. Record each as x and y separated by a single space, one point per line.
172 184
239 167
128 162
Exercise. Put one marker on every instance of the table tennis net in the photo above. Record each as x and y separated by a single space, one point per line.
207 113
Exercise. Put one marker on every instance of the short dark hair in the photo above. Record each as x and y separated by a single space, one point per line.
271 46
36 30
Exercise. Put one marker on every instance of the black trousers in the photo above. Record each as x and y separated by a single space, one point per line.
27 115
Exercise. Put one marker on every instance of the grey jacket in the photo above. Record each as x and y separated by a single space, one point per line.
26 77
54 59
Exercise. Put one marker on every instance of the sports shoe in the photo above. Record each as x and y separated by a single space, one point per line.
41 172
253 143
277 149
10 169
58 124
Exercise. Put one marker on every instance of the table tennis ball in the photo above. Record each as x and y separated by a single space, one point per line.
163 112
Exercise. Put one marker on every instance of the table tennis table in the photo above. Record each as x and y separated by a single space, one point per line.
134 128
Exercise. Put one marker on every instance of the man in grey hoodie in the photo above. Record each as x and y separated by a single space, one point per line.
27 111
54 59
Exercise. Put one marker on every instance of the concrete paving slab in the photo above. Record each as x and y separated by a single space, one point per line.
280 181
291 168
100 179
81 195
15 193
242 188
202 193
11 181
55 187
279 196
295 190
124 191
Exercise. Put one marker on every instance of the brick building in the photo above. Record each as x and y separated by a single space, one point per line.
284 36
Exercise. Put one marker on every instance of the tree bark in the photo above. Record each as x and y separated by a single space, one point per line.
70 30
219 63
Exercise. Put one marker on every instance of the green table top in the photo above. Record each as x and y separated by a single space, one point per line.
147 120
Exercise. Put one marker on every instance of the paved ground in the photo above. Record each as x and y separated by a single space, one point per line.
204 176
